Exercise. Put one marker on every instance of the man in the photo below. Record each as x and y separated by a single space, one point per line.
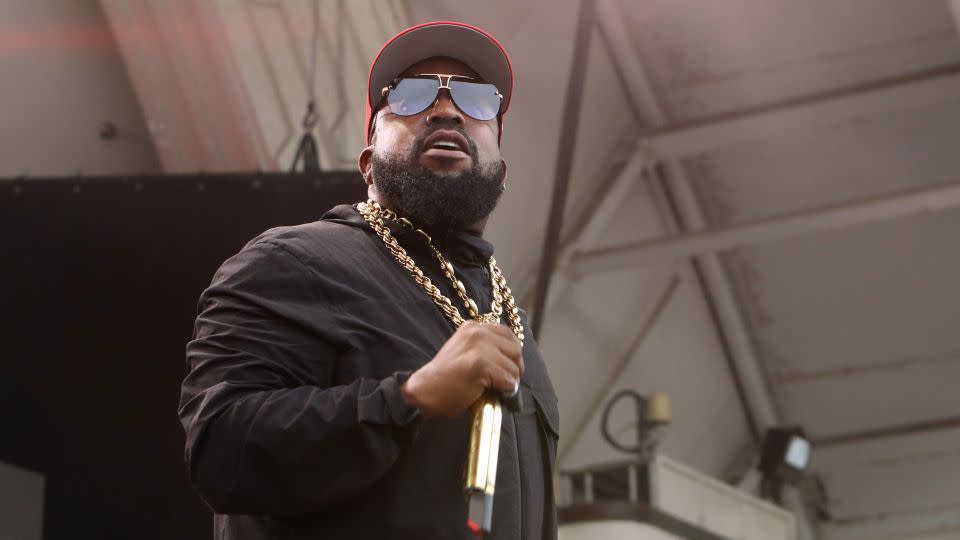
333 363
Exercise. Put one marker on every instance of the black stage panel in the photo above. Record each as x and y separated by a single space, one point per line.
100 279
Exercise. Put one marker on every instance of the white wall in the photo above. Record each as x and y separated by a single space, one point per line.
62 78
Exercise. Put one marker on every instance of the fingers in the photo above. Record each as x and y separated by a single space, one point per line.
512 350
503 338
504 371
496 358
504 380
510 347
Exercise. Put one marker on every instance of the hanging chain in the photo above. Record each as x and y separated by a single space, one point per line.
374 214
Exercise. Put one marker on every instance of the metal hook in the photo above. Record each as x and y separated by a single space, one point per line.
310 119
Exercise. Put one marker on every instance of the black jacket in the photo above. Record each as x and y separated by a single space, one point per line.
295 425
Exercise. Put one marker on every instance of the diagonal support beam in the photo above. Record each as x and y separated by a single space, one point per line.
850 214
588 232
565 152
624 357
861 102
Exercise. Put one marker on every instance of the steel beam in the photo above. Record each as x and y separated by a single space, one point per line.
850 214
624 357
565 152
587 233
856 103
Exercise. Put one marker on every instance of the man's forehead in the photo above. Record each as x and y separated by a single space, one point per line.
441 64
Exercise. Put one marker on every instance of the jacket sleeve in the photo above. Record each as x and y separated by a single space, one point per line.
266 432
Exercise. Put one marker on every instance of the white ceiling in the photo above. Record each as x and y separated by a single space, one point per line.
841 321
849 332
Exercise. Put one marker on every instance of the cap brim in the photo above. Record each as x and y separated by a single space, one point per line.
468 44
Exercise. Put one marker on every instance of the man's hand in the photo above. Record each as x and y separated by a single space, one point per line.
477 357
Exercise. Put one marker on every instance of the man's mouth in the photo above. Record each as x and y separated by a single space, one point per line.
446 144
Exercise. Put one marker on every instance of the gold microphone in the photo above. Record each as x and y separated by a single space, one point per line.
481 471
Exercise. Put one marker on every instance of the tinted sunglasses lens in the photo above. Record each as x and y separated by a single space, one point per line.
411 96
479 100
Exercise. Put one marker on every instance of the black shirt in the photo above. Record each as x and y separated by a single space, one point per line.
295 424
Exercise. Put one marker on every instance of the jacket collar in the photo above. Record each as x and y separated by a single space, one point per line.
459 245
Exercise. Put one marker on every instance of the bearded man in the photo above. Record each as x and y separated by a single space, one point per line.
334 363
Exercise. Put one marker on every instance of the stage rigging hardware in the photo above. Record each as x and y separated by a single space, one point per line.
307 147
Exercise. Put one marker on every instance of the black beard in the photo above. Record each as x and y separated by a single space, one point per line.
430 199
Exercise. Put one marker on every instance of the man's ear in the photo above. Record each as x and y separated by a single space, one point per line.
503 173
363 163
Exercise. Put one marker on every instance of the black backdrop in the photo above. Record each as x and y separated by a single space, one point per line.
99 279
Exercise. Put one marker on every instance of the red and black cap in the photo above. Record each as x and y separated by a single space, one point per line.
468 44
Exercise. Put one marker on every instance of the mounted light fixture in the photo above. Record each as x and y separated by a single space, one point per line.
784 459
785 454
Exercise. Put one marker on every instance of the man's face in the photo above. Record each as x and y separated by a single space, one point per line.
411 170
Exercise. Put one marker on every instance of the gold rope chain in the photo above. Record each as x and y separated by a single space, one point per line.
374 214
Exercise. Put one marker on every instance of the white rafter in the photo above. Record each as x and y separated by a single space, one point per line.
849 214
805 114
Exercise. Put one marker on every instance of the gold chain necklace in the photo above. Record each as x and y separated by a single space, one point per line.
374 214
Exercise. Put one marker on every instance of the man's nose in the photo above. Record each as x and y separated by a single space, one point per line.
444 111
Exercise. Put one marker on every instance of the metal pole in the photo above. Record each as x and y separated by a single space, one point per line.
915 202
565 150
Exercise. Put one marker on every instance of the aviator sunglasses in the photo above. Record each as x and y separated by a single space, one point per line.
412 95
